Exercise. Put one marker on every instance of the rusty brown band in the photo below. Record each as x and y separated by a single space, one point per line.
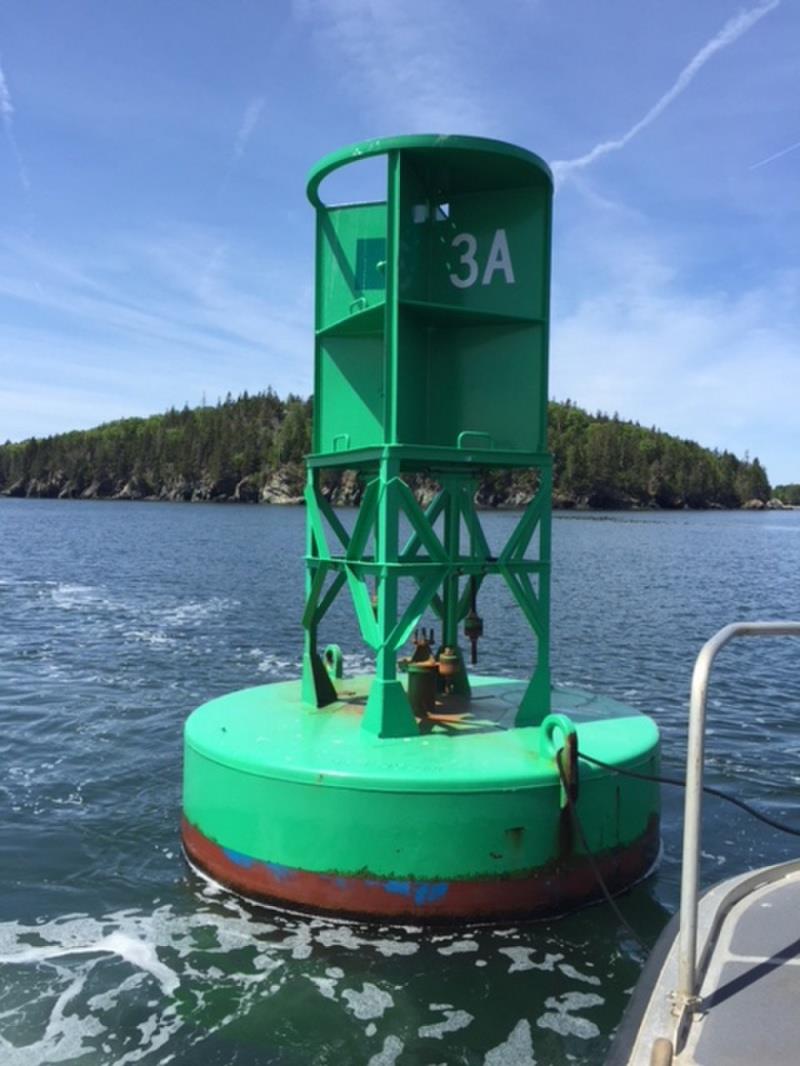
552 890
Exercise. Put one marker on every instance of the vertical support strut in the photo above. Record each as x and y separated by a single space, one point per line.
317 687
450 592
535 703
388 712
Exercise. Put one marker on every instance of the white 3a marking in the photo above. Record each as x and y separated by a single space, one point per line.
499 259
467 260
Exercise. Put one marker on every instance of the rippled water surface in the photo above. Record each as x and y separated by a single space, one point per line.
117 620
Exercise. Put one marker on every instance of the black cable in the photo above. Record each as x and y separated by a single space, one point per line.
765 818
595 868
662 780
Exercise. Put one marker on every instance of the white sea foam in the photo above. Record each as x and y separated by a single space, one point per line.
74 597
561 1019
389 1054
278 667
345 936
458 947
155 638
359 662
281 667
73 978
148 618
64 1038
136 952
65 979
73 947
521 960
371 1002
193 612
452 1022
720 860
576 975
325 985
516 1051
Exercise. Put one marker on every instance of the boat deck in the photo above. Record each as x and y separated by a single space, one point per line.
749 981
750 991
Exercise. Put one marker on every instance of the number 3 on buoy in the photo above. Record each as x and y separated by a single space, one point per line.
499 259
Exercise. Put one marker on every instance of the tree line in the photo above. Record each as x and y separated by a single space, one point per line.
609 461
788 494
200 452
238 447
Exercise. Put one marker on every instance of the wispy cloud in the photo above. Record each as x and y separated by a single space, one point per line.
7 113
733 29
634 333
415 62
248 124
250 119
6 107
703 367
136 349
775 155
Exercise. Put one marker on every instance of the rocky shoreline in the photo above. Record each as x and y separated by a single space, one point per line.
285 485
251 450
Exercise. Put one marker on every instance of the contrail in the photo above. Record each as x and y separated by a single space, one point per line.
7 113
730 32
776 155
252 113
249 122
6 107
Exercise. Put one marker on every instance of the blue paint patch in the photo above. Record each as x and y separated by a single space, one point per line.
247 862
396 888
280 873
430 893
236 857
422 893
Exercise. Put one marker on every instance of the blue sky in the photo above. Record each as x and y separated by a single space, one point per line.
156 246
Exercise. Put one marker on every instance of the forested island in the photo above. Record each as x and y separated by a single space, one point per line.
250 449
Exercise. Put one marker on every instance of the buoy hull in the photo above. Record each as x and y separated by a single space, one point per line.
298 806
552 891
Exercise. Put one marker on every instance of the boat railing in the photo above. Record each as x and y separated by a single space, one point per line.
686 995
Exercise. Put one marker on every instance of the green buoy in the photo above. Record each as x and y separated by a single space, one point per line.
422 791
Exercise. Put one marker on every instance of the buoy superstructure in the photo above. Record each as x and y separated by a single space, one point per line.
424 791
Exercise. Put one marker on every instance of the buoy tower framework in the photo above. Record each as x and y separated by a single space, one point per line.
430 357
431 794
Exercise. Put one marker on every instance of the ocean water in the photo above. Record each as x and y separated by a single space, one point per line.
118 619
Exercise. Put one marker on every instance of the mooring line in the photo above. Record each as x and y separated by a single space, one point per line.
710 789
662 780
595 868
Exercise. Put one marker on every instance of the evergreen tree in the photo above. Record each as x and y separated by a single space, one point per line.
596 459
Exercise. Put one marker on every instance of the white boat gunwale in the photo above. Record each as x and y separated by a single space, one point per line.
658 1023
